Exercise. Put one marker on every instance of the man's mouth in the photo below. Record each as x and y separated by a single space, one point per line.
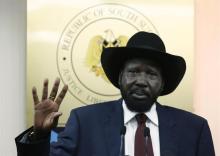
140 95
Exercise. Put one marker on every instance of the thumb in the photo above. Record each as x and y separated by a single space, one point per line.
56 115
55 118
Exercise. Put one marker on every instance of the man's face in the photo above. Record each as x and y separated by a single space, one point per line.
140 84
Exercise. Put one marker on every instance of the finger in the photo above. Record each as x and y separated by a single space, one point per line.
62 94
54 90
35 96
45 90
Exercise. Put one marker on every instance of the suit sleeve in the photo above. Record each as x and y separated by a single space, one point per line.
205 145
68 140
65 146
27 148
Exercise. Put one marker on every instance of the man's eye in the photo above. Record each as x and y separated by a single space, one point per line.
152 73
132 71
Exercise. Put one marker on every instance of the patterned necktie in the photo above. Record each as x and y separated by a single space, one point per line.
143 144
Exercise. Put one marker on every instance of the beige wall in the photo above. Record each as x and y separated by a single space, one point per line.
207 81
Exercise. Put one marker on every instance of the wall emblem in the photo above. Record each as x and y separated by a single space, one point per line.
81 44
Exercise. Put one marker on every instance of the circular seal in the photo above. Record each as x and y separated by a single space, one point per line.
81 44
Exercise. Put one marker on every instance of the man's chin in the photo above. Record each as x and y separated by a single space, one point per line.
139 105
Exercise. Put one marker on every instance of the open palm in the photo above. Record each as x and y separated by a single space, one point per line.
46 113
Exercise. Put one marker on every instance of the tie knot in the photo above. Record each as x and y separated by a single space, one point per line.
141 118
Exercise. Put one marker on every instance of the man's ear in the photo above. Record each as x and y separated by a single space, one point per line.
162 86
119 78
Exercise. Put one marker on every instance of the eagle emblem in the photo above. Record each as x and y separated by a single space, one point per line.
95 48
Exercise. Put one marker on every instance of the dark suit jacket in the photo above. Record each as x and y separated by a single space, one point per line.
95 131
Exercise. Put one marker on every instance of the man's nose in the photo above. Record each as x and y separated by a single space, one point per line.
142 80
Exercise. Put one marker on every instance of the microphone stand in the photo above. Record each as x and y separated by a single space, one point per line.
123 131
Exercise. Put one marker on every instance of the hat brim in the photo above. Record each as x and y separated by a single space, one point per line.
173 67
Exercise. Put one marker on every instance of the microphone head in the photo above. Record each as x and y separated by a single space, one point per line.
146 132
123 130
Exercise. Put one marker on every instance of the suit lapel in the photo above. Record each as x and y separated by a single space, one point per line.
167 132
112 127
167 129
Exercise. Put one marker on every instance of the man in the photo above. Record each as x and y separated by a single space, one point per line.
136 125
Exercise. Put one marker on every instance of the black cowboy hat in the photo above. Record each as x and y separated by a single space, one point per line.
144 45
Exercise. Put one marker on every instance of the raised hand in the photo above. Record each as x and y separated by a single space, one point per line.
46 113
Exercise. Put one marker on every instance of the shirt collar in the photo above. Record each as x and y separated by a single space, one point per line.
151 114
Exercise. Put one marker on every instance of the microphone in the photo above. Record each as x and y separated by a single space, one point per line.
146 132
146 135
123 131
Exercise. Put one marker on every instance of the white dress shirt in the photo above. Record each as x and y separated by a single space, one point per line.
131 126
